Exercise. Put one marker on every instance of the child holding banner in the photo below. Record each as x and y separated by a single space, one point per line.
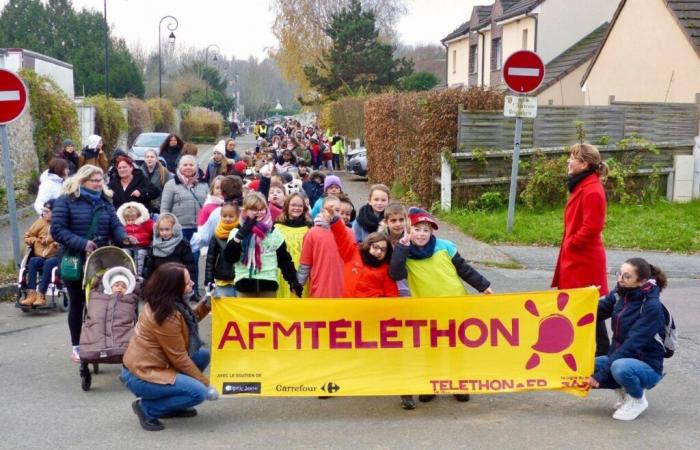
636 357
219 271
293 223
429 263
257 250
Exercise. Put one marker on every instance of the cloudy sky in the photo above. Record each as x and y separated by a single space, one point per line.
242 27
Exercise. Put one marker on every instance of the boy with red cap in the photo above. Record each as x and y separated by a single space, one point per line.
433 267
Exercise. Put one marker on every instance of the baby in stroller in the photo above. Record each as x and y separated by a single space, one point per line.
139 225
43 258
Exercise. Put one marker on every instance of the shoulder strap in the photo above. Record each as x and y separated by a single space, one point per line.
93 224
193 195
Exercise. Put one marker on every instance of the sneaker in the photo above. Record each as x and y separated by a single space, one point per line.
462 397
75 355
621 397
187 412
631 408
426 398
146 423
407 402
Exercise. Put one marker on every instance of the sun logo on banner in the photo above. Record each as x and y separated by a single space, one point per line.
556 333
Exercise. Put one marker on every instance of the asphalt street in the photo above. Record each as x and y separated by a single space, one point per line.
43 405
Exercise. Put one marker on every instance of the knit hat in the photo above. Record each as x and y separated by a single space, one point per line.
332 180
92 141
220 148
240 166
418 215
68 142
118 273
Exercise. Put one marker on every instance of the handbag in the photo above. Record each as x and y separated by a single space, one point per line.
71 267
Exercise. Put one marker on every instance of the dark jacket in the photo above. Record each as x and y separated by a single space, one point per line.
72 159
637 318
217 267
171 155
182 254
139 182
72 217
313 191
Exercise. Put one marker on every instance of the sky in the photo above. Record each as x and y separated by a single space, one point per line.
243 27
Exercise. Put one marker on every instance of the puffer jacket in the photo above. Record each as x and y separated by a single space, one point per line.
142 228
50 186
108 326
71 221
158 352
183 202
637 318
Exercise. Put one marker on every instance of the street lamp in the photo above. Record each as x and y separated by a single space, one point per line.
172 26
238 94
206 63
106 52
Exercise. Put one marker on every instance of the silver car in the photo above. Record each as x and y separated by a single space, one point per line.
144 142
356 161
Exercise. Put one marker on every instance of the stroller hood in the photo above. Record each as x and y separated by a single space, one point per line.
105 258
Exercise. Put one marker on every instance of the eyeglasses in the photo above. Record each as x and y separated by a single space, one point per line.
378 248
624 276
95 180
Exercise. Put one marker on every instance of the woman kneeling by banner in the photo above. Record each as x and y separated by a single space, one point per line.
164 361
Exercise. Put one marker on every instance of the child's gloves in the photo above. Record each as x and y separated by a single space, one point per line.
90 247
297 288
245 230
212 394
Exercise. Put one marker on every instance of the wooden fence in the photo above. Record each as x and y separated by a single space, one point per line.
485 139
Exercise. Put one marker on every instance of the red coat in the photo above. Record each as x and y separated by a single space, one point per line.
581 259
360 280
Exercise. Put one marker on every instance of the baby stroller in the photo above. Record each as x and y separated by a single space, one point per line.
56 294
108 320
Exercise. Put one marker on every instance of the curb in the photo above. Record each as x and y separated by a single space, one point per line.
7 292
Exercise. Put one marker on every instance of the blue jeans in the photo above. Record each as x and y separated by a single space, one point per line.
631 374
159 399
187 235
37 263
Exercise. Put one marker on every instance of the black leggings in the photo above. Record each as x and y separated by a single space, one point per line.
76 295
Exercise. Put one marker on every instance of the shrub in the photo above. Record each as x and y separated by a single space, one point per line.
162 114
53 114
405 132
546 184
138 118
346 116
109 120
201 123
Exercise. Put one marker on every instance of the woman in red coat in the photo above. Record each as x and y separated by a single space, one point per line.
581 259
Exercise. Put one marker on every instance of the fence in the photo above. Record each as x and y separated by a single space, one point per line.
485 139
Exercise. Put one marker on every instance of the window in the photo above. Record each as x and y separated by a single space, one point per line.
454 61
525 39
496 54
473 58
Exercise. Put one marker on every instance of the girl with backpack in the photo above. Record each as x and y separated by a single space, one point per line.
636 357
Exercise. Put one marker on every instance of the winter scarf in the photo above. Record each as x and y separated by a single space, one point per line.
187 181
212 199
191 320
300 221
368 219
424 252
223 230
370 260
252 246
573 180
162 248
72 157
93 195
319 221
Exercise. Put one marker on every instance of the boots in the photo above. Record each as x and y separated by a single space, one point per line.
29 298
40 299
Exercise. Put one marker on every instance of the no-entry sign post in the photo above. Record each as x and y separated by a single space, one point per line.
13 102
523 72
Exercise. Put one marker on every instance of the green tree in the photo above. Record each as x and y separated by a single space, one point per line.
419 81
357 60
57 30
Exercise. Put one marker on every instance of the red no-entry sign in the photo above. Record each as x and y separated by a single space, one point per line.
13 96
523 71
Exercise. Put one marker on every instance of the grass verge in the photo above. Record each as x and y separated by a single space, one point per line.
662 226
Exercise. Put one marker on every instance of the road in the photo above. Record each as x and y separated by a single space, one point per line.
44 406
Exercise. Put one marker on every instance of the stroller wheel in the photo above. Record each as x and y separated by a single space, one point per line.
96 368
61 300
85 377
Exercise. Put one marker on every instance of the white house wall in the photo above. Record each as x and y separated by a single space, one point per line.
63 76
459 72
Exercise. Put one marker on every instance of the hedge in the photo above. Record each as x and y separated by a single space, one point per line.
162 114
109 120
201 123
346 116
405 134
53 114
138 118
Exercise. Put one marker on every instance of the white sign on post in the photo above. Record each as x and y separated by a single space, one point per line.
517 106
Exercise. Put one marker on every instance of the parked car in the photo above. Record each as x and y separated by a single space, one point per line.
356 161
146 141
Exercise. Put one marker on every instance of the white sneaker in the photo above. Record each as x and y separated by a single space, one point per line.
621 397
631 408
75 356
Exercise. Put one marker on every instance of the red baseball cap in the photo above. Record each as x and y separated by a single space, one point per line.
418 215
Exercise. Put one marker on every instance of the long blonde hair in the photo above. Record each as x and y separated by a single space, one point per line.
589 154
162 171
73 184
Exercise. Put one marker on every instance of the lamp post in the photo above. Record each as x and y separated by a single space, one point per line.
206 63
238 95
172 26
106 52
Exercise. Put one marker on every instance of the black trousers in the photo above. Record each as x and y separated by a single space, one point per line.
76 296
602 342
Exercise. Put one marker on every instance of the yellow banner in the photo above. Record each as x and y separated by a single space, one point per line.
444 345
